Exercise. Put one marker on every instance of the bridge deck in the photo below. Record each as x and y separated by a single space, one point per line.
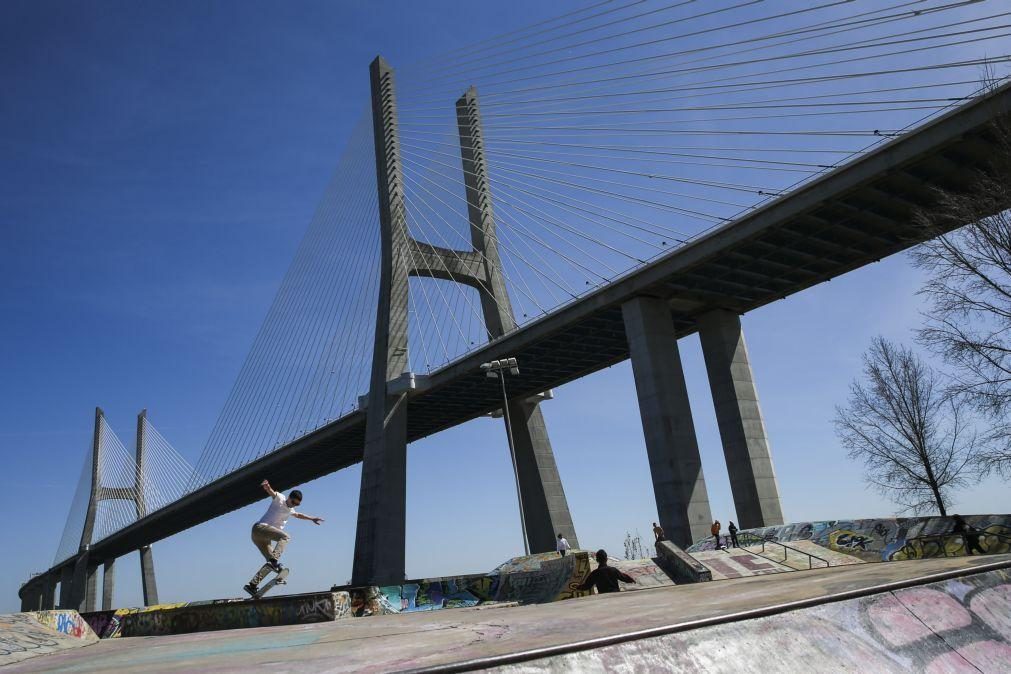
851 216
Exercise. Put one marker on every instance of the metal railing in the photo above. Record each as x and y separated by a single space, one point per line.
786 554
746 540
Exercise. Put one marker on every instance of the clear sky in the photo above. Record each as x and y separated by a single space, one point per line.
159 163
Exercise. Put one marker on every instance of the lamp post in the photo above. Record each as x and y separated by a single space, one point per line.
497 369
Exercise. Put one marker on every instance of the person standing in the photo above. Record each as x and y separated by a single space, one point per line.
658 532
562 545
969 534
715 531
733 533
605 578
269 535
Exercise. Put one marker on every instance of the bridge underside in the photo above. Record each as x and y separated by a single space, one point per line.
850 217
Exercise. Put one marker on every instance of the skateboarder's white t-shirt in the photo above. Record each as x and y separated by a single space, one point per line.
278 513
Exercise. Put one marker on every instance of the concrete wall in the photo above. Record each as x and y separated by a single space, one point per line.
223 614
884 539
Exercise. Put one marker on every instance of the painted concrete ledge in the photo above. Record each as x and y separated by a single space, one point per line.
519 635
222 614
531 579
35 633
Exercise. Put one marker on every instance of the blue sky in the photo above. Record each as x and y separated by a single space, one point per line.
158 166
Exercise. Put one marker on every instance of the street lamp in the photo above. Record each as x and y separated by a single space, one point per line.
497 369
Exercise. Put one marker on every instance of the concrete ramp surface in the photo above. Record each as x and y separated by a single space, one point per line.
957 625
27 635
937 615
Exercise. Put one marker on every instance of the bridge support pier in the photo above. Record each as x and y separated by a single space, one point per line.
108 583
545 508
31 598
147 579
742 429
679 485
67 587
85 584
48 600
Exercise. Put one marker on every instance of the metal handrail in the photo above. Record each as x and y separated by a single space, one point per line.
758 540
786 555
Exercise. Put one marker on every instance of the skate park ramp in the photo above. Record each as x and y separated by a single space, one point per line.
530 579
934 615
34 633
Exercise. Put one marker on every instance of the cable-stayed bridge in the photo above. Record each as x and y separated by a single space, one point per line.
578 192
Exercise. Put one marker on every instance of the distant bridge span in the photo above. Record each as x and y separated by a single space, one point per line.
847 218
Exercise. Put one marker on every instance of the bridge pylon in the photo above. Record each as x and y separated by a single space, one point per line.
79 587
380 538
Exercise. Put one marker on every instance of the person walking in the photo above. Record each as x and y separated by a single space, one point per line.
715 531
269 535
562 545
969 534
733 533
605 578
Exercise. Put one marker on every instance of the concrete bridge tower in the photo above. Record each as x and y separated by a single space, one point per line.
380 540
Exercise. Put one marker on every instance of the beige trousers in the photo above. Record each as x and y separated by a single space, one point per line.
264 536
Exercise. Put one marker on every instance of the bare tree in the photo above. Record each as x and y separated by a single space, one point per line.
911 437
633 546
969 293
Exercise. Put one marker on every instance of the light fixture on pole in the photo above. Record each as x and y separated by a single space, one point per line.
497 369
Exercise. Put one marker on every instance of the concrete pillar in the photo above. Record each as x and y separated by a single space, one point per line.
108 583
742 430
147 580
90 589
679 485
67 587
31 596
49 592
545 508
85 584
382 503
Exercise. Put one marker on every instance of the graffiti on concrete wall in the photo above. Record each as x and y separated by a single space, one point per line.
884 539
968 615
65 622
26 635
182 618
958 625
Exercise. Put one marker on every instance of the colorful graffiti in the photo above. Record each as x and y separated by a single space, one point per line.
181 618
26 635
884 539
65 622
958 625
535 578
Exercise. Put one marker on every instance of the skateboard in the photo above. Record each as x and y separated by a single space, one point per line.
279 579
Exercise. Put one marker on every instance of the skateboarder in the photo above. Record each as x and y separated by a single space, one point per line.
270 529
715 531
605 578
733 533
